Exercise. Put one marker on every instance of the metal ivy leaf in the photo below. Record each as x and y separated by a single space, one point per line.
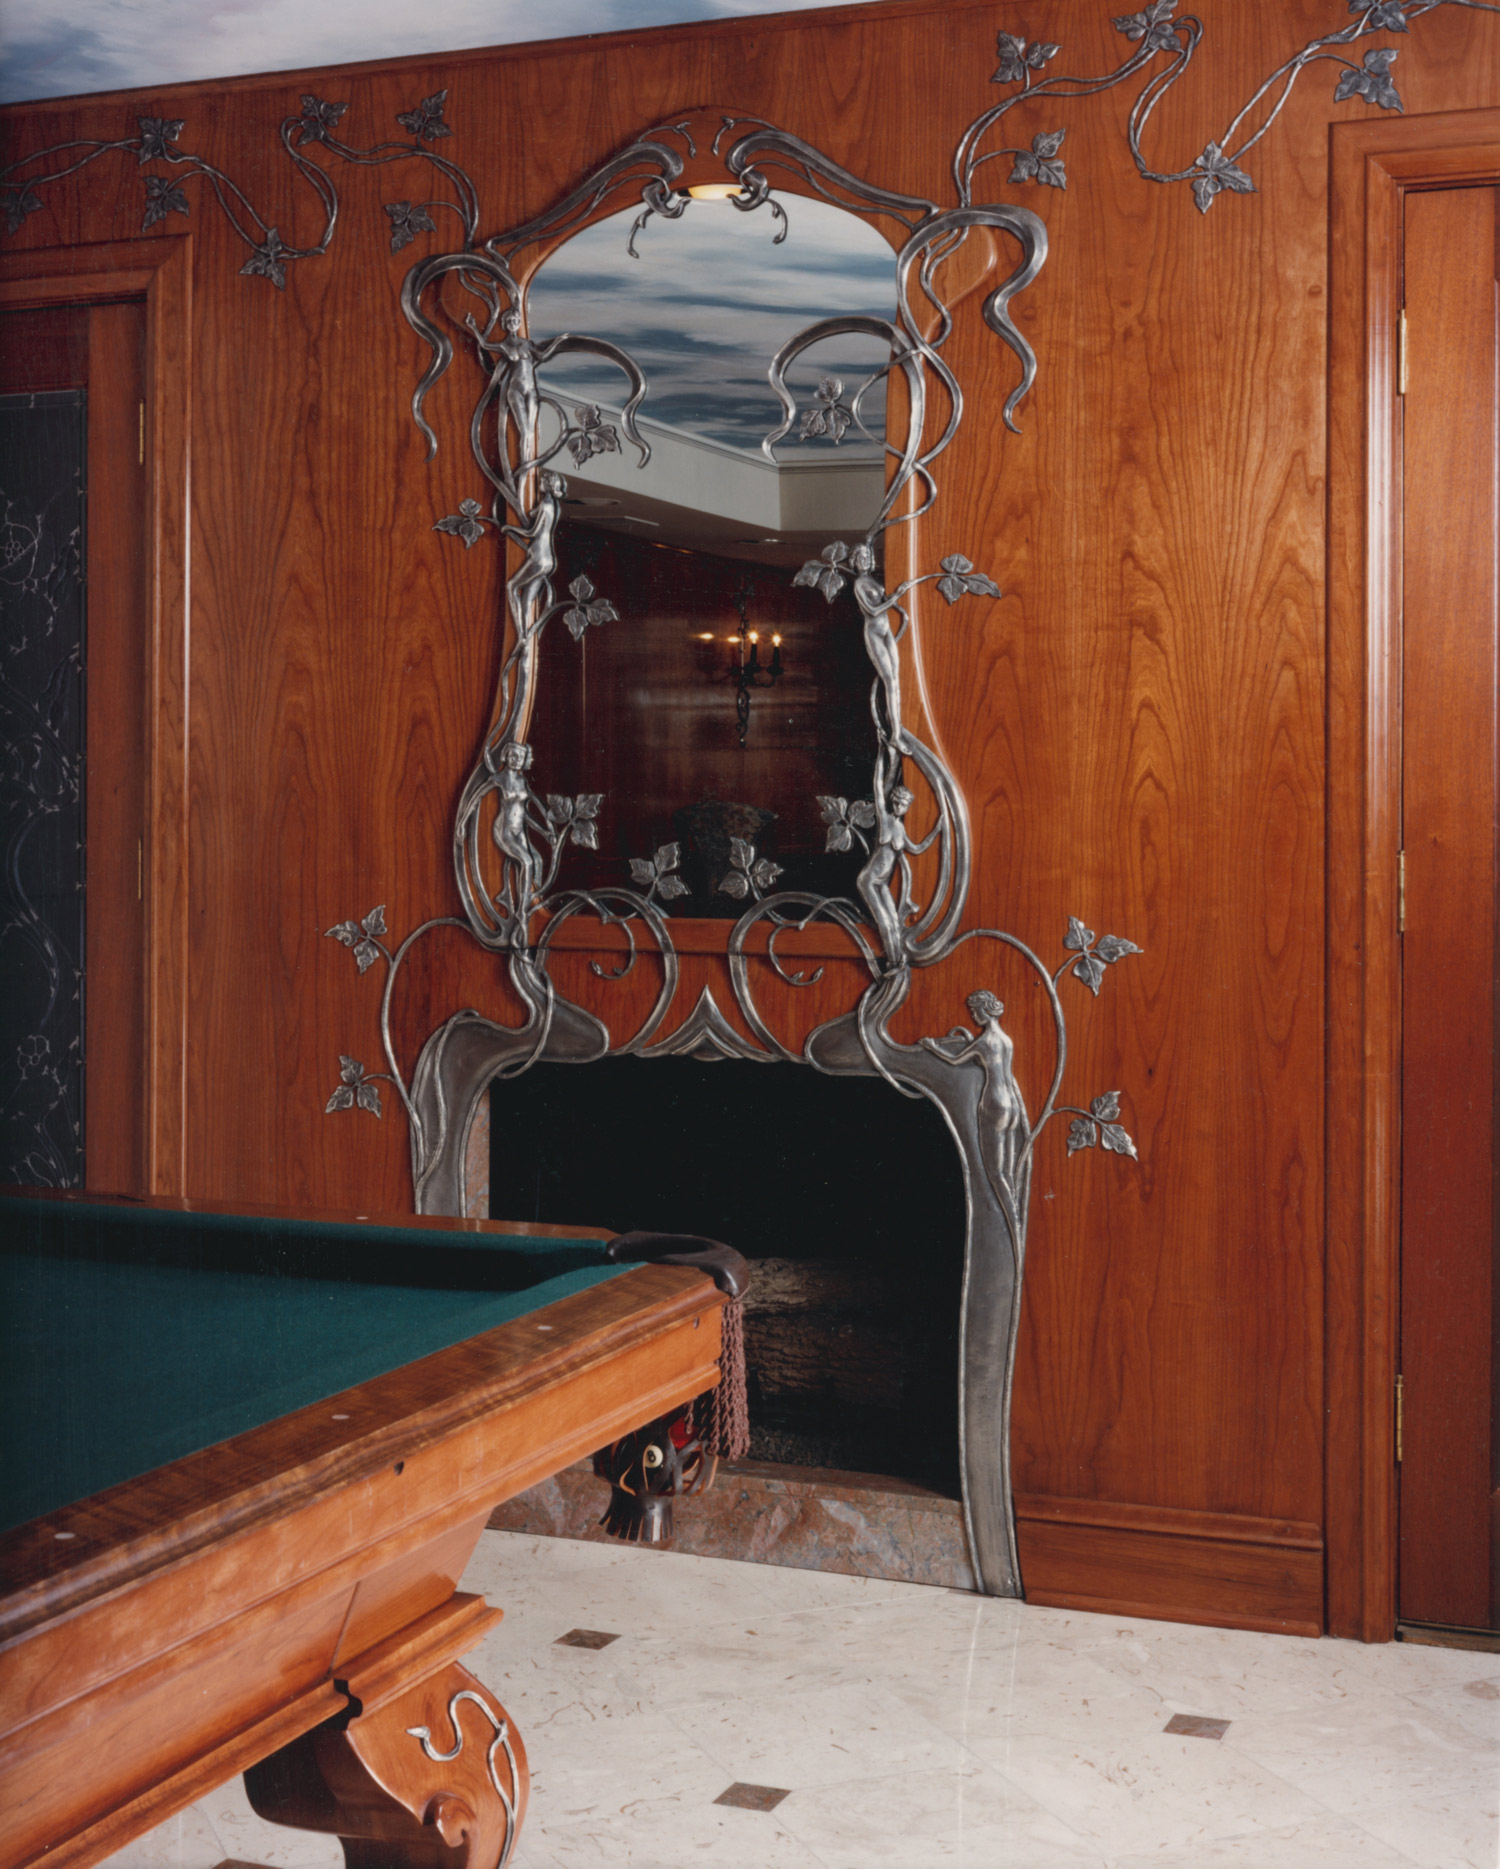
735 884
318 118
594 434
843 819
354 1091
826 572
467 523
1115 947
360 936
1078 936
655 874
1382 15
1016 55
426 121
1219 172
268 260
1082 1134
1107 1107
1373 83
18 201
1153 26
407 222
829 417
1090 969
584 614
960 579
157 137
163 197
1037 165
1114 1138
577 816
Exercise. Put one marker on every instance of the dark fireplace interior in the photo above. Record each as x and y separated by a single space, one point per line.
847 1195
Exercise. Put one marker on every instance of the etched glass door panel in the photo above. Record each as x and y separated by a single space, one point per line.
723 699
42 437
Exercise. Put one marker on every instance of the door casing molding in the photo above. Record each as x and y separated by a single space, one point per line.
159 272
1372 168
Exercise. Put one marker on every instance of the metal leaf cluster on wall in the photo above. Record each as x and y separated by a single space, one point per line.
1099 1128
1094 956
748 875
468 523
1373 81
361 936
657 874
356 1090
586 612
960 579
1017 57
426 121
845 820
1041 163
577 816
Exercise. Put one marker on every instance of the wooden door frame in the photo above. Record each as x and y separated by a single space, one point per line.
159 272
1372 167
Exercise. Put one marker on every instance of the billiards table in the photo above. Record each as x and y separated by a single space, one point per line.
247 1456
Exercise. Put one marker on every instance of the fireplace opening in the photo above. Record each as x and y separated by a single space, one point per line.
848 1196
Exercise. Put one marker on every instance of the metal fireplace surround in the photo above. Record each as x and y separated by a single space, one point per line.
510 839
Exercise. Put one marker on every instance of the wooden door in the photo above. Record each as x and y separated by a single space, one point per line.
1448 1477
98 349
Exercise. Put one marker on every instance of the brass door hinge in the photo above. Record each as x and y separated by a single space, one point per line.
1400 892
1401 352
1400 1406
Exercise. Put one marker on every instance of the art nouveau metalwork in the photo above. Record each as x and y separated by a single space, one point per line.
500 1742
909 888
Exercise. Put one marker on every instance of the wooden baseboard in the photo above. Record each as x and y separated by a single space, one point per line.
1222 1569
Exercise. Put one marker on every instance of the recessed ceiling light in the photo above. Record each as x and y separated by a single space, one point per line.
717 191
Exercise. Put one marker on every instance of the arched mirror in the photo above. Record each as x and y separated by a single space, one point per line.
723 699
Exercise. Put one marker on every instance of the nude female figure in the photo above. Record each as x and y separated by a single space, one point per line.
1003 1128
510 831
880 641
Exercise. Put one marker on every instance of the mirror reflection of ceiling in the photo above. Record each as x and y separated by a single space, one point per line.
703 308
57 48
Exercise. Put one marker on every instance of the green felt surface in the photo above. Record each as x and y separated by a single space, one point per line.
131 1337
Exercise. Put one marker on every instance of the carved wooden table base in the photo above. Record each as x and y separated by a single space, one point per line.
424 1771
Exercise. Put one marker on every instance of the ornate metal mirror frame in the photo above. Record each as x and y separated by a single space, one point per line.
908 914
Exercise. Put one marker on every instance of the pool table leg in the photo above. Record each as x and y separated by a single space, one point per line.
419 1774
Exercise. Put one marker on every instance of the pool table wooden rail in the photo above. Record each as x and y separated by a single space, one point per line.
194 1620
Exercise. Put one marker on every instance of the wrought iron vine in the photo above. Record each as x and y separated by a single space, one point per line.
315 122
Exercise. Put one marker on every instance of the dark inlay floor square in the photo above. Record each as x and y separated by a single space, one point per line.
1195 1726
752 1797
585 1638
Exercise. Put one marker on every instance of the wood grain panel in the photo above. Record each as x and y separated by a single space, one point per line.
1138 722
1449 647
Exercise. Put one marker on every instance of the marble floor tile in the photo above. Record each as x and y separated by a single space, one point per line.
965 1816
651 1836
1231 1672
1319 1844
1129 1788
803 1738
1417 1779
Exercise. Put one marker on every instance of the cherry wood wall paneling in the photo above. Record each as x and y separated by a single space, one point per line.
1138 722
